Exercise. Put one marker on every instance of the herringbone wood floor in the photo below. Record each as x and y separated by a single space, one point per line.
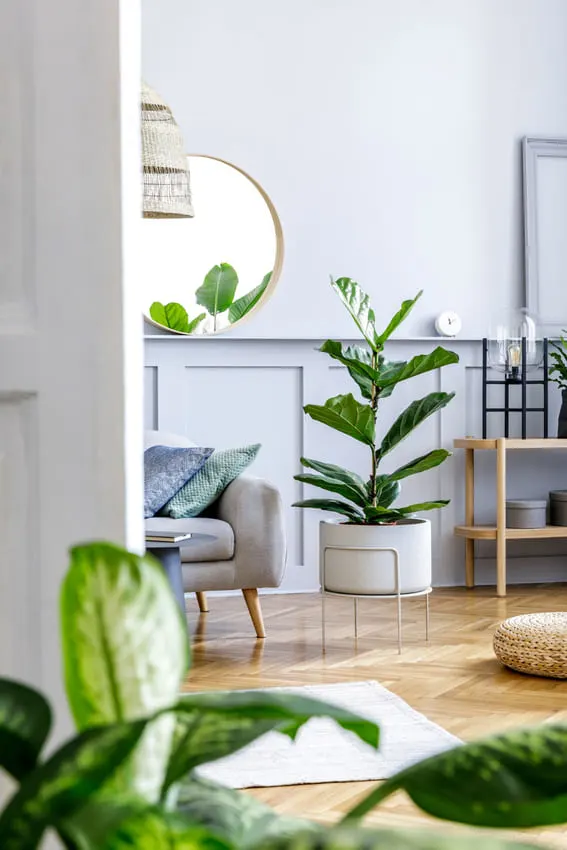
454 680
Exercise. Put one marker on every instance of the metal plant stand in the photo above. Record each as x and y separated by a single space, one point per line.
398 595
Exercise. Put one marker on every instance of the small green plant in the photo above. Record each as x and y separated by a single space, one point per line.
217 295
371 501
127 780
558 369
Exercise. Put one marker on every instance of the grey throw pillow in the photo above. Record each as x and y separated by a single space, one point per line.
166 470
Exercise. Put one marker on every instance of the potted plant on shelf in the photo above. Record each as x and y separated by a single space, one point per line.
558 374
371 519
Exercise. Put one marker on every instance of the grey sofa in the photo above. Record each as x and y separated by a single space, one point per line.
249 548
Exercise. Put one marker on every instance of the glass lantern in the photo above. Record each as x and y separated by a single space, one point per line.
512 339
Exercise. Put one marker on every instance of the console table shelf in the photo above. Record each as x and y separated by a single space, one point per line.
498 532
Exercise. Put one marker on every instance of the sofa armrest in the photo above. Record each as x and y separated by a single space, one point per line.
253 508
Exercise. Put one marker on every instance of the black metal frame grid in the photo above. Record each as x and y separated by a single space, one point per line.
518 378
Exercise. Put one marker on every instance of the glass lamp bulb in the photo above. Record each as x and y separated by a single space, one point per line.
514 355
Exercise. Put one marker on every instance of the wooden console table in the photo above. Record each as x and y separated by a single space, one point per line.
499 532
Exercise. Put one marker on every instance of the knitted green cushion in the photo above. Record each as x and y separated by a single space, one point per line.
206 486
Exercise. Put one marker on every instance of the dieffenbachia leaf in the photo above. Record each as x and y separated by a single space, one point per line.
239 308
216 293
357 303
417 412
234 816
214 725
61 785
344 413
343 838
515 780
125 650
335 506
398 318
392 374
25 721
420 464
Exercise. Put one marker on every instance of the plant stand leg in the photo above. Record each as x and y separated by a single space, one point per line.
501 517
356 618
427 617
469 516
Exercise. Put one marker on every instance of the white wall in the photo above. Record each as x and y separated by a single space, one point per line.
386 131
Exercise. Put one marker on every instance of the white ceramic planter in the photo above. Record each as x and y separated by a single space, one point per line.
372 572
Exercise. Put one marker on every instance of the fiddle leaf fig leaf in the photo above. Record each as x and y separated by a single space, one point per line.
396 321
417 412
247 302
333 486
357 303
25 721
172 315
344 413
421 464
436 359
337 473
125 650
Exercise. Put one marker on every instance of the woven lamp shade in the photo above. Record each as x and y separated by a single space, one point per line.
167 189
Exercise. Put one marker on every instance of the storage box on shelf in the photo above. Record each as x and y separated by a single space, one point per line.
499 532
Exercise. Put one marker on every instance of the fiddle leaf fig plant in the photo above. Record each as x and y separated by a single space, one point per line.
372 501
128 778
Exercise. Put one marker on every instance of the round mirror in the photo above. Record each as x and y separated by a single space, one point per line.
205 274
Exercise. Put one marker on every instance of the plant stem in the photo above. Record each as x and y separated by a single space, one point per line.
374 406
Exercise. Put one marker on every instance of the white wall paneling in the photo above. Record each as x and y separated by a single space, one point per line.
259 396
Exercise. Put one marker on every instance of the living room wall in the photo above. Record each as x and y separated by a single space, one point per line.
388 136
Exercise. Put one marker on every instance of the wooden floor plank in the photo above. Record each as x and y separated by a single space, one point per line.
454 680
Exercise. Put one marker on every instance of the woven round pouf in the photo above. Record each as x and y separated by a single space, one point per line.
534 644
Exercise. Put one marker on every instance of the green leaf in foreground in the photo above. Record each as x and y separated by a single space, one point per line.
342 838
234 816
65 782
25 721
513 780
125 649
156 829
239 308
213 725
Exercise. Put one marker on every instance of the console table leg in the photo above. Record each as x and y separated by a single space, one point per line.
501 517
469 516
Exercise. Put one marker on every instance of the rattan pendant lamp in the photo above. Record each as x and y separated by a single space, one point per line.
166 188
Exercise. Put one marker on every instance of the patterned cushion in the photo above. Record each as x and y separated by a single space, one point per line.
166 469
205 487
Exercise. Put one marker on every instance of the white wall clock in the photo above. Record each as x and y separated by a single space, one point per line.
448 324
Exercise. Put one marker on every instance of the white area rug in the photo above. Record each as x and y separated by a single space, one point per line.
323 752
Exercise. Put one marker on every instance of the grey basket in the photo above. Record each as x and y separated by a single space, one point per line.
526 513
558 507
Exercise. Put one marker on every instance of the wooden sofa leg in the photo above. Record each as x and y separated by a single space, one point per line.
253 604
202 600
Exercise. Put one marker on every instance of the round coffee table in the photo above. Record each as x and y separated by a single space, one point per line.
169 556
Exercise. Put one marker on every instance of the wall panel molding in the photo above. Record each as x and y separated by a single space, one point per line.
266 384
